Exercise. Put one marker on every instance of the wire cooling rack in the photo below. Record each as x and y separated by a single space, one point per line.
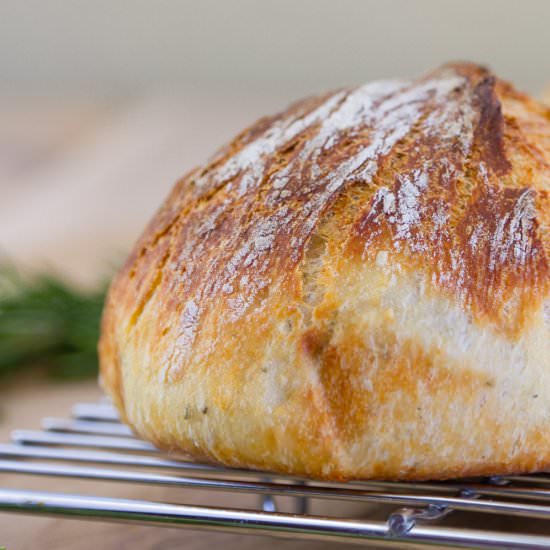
94 445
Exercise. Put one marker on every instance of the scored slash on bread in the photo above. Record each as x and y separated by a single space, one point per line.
353 288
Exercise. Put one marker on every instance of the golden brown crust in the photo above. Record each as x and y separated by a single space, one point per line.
265 317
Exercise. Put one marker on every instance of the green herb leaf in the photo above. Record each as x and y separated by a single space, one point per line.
45 321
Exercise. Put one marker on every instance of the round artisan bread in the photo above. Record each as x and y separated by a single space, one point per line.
353 288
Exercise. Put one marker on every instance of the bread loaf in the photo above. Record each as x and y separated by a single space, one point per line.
357 287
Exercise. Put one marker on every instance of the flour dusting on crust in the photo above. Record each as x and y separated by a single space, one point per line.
259 201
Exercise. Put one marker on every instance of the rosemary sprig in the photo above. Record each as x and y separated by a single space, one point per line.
45 321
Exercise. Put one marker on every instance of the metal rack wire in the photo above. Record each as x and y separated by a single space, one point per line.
94 445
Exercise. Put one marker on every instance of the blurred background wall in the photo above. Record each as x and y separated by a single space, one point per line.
124 46
103 104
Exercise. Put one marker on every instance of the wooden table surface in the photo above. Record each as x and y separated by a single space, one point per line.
78 181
